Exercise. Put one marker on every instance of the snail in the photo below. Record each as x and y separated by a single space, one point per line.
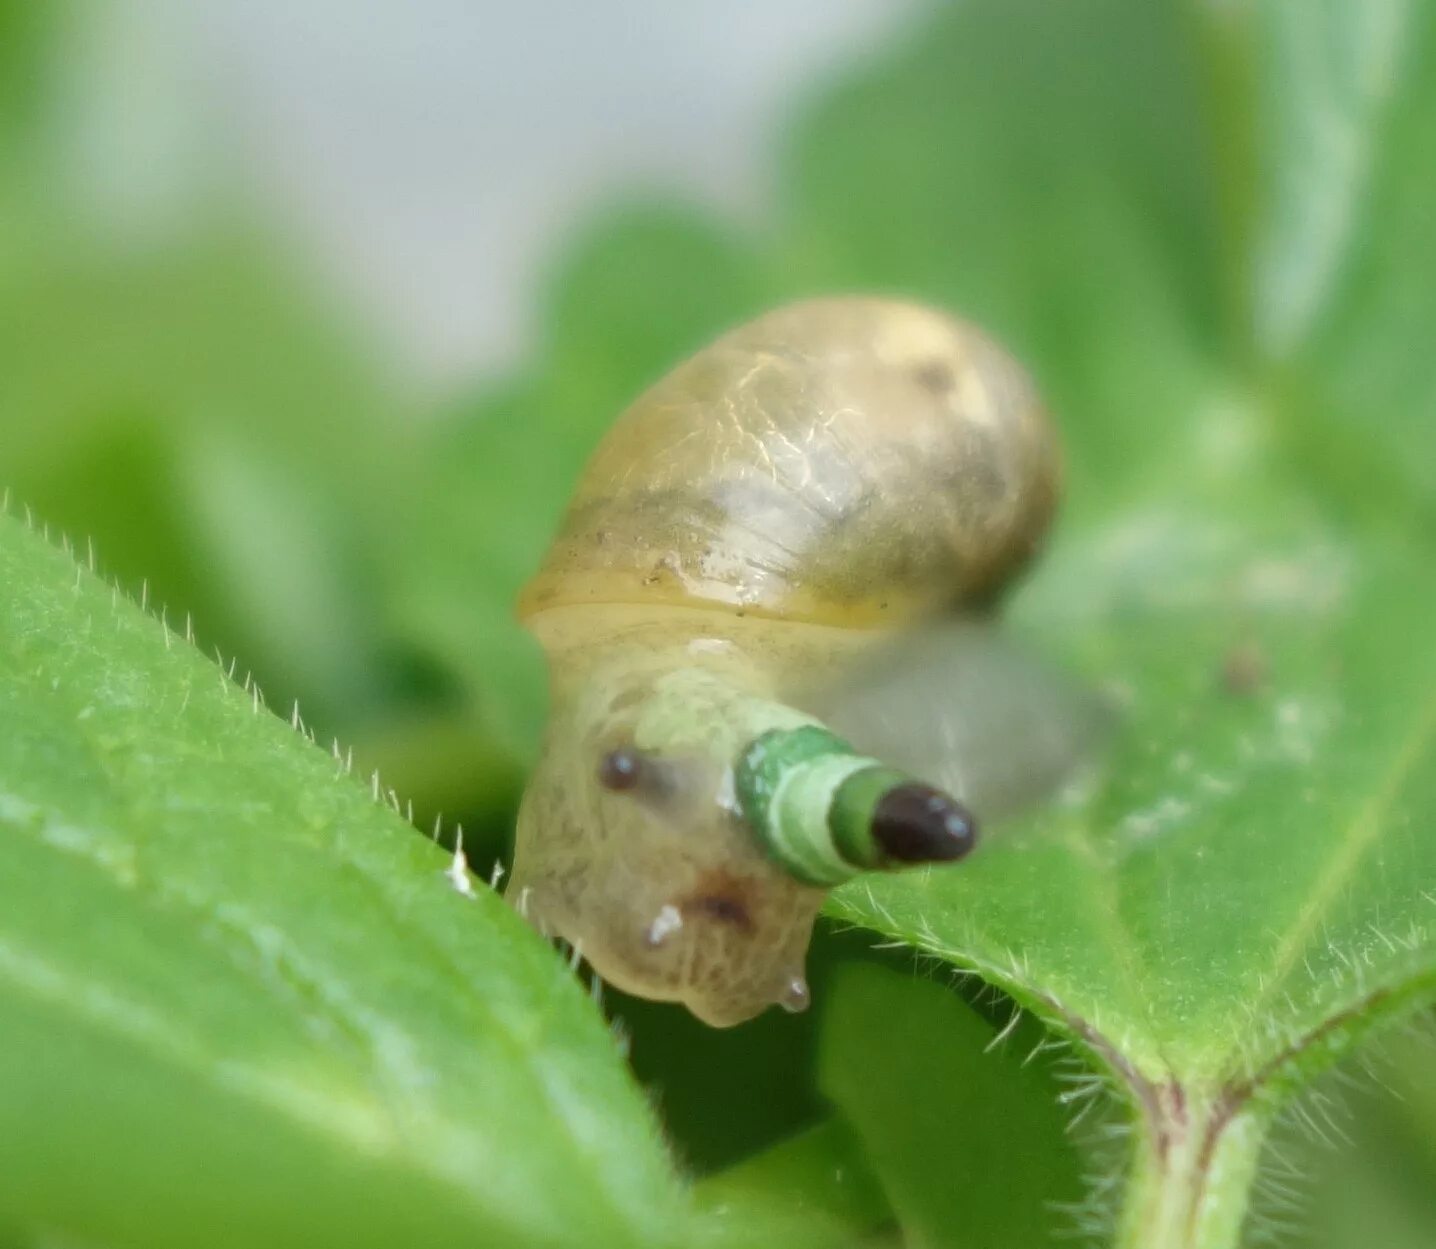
763 520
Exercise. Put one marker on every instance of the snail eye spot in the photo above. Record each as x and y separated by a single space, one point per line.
621 770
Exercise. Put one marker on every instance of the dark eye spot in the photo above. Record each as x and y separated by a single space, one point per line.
621 770
935 376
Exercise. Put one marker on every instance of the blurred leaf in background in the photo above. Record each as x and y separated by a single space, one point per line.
181 410
1361 1167
182 398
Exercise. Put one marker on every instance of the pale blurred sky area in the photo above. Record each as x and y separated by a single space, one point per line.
429 154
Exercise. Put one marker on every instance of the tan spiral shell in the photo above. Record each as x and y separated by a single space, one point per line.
847 460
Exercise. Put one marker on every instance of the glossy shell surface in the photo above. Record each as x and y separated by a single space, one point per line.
850 460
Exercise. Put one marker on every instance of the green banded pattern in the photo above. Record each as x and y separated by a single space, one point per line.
786 783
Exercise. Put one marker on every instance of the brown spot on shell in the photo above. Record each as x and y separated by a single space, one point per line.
935 376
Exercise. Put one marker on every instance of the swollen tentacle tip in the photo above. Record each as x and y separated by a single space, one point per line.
796 996
915 823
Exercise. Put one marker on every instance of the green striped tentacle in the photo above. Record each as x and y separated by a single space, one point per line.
827 813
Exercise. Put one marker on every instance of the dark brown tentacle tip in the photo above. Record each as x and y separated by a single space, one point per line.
915 823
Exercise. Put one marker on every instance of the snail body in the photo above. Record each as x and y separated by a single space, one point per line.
777 505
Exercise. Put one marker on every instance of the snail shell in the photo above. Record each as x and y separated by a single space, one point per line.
784 499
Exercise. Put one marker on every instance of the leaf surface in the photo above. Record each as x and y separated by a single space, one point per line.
240 994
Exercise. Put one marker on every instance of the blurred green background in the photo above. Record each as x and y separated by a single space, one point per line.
208 385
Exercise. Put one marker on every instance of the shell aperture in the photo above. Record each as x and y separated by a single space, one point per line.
778 507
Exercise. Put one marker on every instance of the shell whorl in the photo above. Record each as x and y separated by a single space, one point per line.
851 461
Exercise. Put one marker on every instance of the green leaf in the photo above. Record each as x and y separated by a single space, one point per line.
812 1191
1360 1162
201 415
965 1128
242 996
1349 156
